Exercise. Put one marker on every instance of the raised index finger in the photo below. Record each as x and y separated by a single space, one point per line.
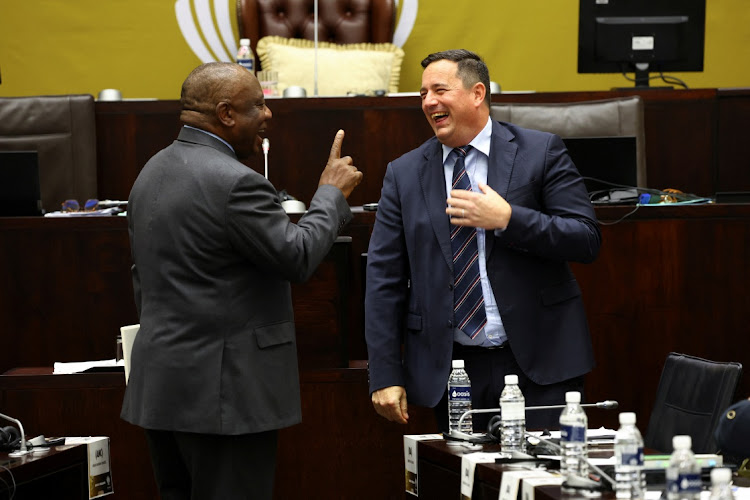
336 147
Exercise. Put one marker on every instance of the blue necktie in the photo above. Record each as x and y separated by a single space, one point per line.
468 301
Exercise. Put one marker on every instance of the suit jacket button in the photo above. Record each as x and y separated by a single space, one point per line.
450 324
450 286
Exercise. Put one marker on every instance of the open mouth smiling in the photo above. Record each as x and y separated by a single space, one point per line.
438 117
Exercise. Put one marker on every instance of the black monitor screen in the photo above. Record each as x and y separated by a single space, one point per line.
604 162
641 36
19 184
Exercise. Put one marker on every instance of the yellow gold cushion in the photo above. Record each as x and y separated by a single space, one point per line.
351 68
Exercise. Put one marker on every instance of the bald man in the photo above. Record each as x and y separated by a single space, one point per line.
214 366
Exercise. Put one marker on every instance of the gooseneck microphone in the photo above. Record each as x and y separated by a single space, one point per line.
605 405
24 450
266 147
578 482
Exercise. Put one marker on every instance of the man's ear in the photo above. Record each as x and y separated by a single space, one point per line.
479 91
225 114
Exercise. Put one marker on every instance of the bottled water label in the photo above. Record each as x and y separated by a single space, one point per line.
249 64
573 433
631 455
685 483
512 411
460 393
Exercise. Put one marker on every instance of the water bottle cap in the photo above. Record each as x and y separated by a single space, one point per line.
458 363
721 475
511 380
244 41
573 397
682 442
627 418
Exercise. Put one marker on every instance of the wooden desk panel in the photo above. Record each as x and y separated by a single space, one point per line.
82 405
733 160
667 279
62 473
692 138
67 290
337 450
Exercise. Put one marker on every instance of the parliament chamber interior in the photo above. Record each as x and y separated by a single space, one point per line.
670 277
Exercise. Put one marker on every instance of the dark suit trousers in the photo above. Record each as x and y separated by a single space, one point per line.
487 369
213 467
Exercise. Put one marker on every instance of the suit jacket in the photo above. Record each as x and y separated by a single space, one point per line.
409 297
214 254
732 433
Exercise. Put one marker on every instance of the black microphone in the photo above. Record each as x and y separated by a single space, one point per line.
578 482
24 450
605 405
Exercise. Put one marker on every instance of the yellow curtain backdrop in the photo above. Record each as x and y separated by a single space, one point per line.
83 46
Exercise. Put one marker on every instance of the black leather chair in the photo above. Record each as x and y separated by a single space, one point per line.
62 129
691 397
616 117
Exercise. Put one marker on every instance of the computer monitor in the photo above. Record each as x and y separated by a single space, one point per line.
641 37
19 184
604 162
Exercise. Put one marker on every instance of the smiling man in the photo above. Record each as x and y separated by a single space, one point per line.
214 366
516 211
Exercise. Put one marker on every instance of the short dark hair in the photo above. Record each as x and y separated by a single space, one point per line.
471 68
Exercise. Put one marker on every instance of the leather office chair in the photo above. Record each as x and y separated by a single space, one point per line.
617 117
340 21
63 130
691 397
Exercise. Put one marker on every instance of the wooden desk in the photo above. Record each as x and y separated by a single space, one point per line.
339 450
61 473
67 289
667 279
439 474
694 138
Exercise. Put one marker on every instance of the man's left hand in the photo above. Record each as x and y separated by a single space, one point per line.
487 209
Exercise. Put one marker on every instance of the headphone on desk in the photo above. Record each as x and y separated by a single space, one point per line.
10 438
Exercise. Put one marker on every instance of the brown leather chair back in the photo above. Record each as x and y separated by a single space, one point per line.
62 129
340 21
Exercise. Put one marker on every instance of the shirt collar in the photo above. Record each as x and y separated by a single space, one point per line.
481 142
212 135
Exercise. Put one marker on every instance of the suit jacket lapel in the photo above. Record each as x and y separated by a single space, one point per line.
500 166
432 179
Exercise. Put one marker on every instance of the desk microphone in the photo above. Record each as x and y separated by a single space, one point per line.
24 450
266 147
576 481
489 437
605 405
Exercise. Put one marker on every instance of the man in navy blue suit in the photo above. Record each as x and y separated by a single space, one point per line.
532 216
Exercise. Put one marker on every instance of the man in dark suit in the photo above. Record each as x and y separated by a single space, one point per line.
532 214
732 435
214 366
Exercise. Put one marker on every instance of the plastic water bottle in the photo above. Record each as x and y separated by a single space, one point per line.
459 398
628 459
573 423
245 56
683 473
513 416
721 488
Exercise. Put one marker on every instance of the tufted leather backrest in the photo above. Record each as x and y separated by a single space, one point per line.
340 21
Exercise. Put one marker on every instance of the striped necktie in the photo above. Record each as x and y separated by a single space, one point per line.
468 301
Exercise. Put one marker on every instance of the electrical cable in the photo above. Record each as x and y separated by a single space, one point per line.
12 491
666 196
672 80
